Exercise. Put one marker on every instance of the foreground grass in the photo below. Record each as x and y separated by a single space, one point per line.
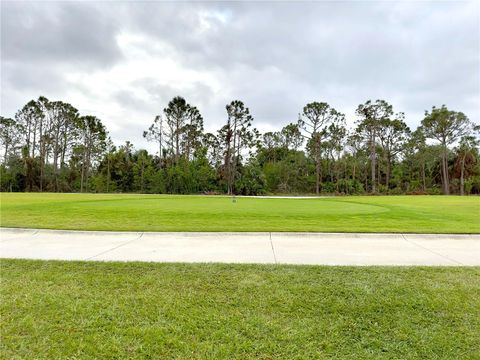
421 214
140 310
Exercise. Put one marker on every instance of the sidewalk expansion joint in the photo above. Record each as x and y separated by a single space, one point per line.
273 249
432 251
115 247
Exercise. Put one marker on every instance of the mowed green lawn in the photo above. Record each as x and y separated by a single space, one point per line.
130 212
138 310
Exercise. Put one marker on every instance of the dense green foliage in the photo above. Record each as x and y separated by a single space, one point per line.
131 212
136 310
50 147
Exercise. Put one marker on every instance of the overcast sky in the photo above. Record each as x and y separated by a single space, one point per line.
123 61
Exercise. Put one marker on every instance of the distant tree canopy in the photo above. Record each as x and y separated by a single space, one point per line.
49 146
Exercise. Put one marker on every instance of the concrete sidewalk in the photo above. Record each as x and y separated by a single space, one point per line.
271 248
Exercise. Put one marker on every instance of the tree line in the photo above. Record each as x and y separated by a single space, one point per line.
50 146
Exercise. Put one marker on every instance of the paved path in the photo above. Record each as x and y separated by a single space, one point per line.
284 248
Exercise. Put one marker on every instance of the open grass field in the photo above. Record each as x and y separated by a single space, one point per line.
139 310
129 212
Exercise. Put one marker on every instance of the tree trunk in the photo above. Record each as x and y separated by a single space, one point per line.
41 168
87 169
387 179
379 175
160 153
42 144
56 150
81 178
63 149
424 187
143 168
373 162
232 160
228 159
462 176
446 185
34 141
329 168
6 152
84 166
108 172
177 141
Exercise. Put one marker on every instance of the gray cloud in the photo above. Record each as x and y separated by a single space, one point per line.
276 56
65 32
